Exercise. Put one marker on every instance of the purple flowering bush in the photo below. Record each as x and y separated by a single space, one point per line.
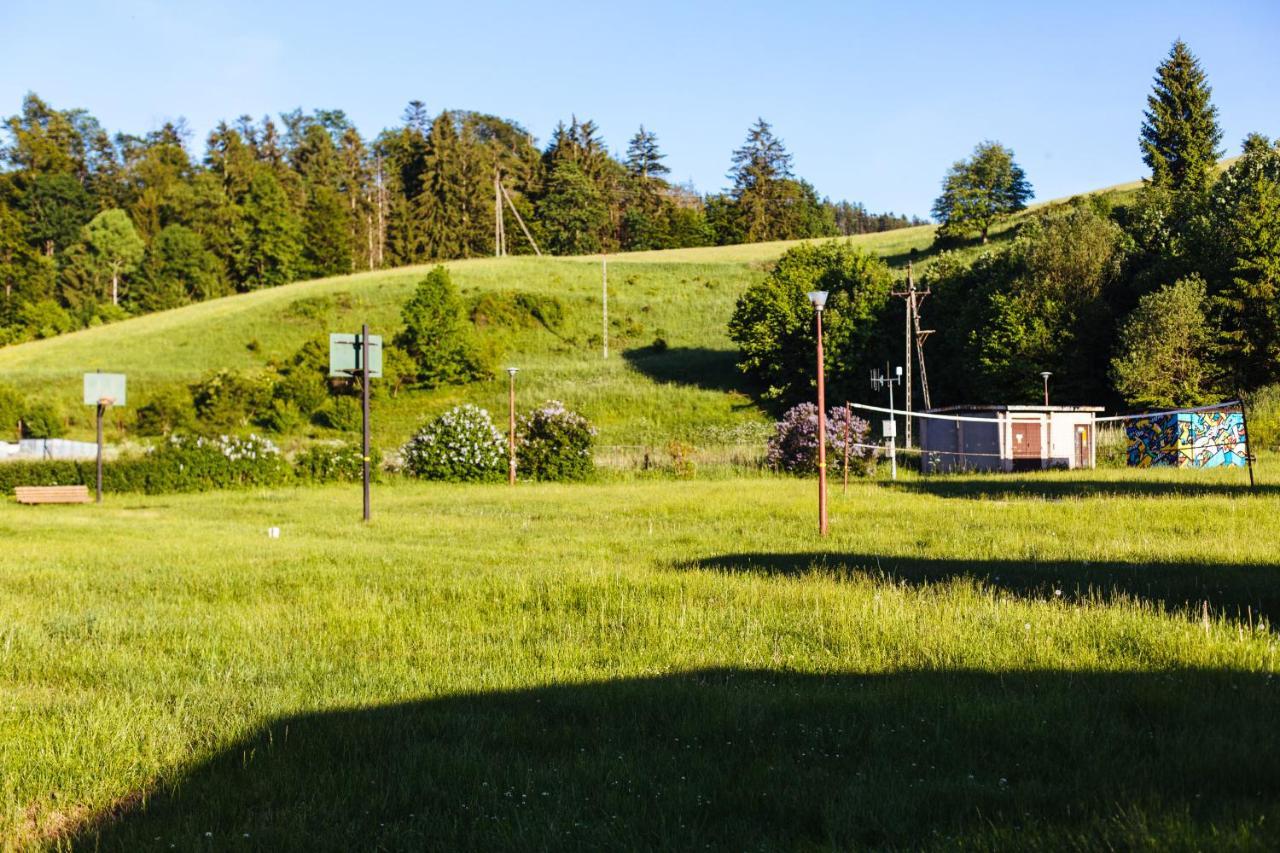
794 445
554 443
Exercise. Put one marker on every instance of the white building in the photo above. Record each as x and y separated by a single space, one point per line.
1008 438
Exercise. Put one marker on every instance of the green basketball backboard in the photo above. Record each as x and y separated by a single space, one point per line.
345 351
105 388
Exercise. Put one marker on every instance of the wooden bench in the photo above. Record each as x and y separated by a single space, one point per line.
52 494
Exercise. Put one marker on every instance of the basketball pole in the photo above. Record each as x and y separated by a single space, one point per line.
102 407
364 393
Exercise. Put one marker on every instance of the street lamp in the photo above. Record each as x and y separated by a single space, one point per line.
819 300
1045 374
511 429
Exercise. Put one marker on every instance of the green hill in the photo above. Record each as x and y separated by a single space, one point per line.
641 398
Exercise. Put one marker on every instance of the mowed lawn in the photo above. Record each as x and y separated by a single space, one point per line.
1053 661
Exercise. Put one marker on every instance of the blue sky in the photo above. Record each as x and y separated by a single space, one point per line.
873 100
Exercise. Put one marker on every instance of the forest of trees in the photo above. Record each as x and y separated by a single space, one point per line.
95 227
1169 296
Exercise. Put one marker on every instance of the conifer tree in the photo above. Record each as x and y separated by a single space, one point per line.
644 159
759 168
1180 133
326 233
268 235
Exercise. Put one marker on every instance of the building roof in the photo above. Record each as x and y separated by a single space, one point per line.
1007 408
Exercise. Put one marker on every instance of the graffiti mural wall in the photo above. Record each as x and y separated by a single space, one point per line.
1187 440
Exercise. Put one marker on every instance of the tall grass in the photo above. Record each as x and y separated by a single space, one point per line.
646 663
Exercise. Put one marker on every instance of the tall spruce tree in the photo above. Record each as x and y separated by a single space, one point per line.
1180 133
644 159
759 168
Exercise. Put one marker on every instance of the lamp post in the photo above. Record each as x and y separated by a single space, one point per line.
511 425
819 300
1045 374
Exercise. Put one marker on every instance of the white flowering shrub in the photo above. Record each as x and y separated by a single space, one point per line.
460 445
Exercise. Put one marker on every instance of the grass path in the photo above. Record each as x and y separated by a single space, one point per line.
645 664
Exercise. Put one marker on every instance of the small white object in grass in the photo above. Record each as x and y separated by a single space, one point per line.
273 532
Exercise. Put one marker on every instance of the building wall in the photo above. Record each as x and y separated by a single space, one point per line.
971 446
961 445
1187 440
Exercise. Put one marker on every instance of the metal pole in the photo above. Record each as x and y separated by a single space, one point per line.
893 446
101 409
364 392
1248 449
511 427
846 447
822 437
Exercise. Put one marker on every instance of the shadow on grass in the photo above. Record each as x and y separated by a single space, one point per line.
740 759
701 367
1048 486
1243 590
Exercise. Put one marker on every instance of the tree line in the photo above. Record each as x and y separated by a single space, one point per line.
1168 296
95 226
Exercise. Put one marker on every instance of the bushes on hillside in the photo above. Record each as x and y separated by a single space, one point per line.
554 443
335 464
460 445
230 399
773 322
436 336
794 445
169 410
1264 418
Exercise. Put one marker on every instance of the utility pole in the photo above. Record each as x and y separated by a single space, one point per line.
499 226
913 333
519 219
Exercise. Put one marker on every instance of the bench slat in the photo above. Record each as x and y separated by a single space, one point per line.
51 494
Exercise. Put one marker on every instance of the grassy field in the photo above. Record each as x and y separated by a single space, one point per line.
1044 661
640 399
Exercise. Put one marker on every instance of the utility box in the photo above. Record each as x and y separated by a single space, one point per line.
1008 438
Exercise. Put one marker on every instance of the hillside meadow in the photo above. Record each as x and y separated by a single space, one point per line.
1053 661
647 394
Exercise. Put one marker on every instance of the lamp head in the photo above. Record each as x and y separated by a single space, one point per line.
1045 374
511 371
818 298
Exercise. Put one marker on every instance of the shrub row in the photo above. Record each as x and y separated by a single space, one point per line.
193 464
464 445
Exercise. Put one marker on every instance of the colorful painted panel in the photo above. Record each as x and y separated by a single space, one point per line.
1187 440
1152 441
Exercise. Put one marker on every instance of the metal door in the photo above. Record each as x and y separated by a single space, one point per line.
1082 447
1026 445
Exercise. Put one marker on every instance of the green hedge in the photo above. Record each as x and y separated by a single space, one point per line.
187 466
